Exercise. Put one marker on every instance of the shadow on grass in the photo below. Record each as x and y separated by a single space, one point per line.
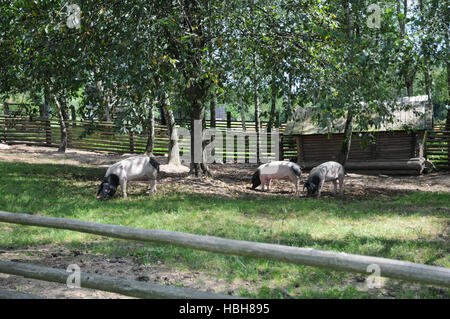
58 189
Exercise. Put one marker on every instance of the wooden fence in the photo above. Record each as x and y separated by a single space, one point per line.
302 256
103 136
121 286
438 146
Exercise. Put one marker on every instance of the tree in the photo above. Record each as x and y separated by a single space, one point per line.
47 53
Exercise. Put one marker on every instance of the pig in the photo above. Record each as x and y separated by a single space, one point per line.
125 170
325 172
276 170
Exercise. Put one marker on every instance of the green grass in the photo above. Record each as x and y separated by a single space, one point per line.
409 227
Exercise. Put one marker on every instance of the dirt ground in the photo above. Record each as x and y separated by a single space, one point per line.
230 180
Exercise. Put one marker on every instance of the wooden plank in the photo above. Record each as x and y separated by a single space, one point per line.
105 283
6 294
304 256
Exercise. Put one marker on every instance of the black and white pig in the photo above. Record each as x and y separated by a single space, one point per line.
325 172
128 169
276 170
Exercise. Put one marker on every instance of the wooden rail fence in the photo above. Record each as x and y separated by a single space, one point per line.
438 146
302 256
121 286
103 136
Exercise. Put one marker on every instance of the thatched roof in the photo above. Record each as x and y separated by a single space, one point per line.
418 116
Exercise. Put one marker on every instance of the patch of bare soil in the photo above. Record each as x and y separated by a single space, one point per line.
229 180
60 257
233 180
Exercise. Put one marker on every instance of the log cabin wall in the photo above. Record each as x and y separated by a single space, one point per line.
396 145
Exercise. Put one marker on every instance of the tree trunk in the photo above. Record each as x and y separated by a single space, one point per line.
448 85
346 144
46 103
151 128
5 108
212 111
198 164
167 114
62 124
74 115
426 66
244 127
212 122
409 86
64 107
408 69
41 111
427 78
257 120
272 108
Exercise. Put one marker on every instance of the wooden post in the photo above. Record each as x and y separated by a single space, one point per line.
122 286
5 127
414 152
247 148
228 120
48 132
391 268
300 155
447 134
281 148
132 142
224 158
6 294
69 135
212 111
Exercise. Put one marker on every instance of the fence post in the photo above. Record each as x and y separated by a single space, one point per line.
228 120
48 132
5 108
281 148
132 141
225 146
69 130
447 133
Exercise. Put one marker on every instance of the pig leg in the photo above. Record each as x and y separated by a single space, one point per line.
341 186
153 186
320 188
123 185
295 180
152 179
268 184
335 187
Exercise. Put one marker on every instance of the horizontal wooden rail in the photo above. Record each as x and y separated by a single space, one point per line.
303 256
121 286
103 136
7 294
